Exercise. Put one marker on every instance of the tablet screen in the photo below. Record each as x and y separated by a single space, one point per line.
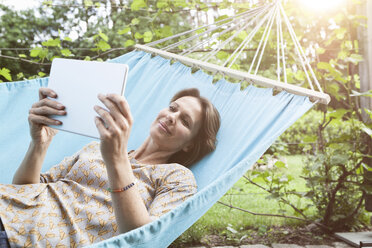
77 84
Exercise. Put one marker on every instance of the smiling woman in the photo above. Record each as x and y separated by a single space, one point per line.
87 192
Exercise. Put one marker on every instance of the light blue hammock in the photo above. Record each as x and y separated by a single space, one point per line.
251 120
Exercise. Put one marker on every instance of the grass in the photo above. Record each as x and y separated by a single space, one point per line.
220 219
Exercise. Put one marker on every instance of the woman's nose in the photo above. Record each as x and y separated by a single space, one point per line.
171 117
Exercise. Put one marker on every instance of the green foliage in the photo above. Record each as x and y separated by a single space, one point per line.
6 74
303 133
55 30
334 173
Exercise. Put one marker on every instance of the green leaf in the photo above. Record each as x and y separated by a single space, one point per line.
280 164
52 42
242 35
35 52
147 36
6 74
348 44
367 130
124 30
163 32
88 3
369 112
339 159
324 66
337 114
48 3
355 58
103 36
129 43
333 90
97 4
87 58
41 74
138 36
20 75
138 4
67 39
103 45
310 138
134 21
300 75
340 33
22 55
320 50
66 52
162 4
342 55
222 55
180 3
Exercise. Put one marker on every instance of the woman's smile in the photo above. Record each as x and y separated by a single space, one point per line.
164 127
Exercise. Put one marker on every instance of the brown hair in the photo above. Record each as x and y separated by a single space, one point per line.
205 140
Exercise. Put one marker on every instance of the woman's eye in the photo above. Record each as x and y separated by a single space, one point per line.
185 122
172 108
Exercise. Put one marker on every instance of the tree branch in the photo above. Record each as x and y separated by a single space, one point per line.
260 214
275 215
25 60
281 198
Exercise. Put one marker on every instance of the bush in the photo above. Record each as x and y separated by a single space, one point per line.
304 132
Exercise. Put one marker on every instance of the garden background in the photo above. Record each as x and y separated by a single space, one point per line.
316 175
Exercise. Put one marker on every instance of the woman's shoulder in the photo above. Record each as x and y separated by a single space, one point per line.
175 172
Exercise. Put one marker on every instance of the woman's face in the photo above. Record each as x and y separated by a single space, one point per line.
176 126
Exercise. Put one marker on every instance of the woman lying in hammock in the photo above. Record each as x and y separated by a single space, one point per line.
103 190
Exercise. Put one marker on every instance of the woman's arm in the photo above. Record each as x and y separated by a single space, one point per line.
130 210
29 170
114 128
41 136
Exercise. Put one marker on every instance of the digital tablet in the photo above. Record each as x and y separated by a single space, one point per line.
77 84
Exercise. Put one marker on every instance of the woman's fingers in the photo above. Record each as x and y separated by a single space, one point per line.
114 105
46 110
48 102
101 128
45 92
106 117
111 107
122 104
39 119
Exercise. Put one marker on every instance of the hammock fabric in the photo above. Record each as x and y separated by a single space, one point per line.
251 120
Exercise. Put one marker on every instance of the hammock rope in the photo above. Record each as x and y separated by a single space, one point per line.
152 44
208 56
299 49
252 22
282 48
194 37
265 37
248 38
190 50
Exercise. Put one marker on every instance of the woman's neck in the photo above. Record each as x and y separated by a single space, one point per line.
150 153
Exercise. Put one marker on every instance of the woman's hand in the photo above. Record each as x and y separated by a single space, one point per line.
114 127
38 117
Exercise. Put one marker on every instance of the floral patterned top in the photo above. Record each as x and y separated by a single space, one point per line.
71 206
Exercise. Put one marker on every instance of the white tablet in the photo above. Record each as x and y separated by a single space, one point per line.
77 84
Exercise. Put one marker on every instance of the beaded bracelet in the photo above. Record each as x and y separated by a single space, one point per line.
122 189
